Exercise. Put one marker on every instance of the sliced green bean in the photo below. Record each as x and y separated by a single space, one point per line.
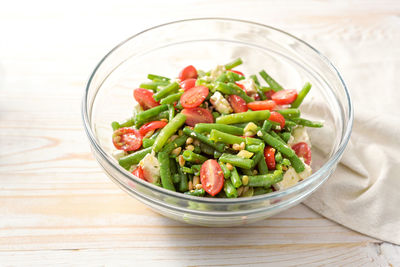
290 113
308 123
206 149
275 135
171 112
236 161
266 179
134 158
225 170
128 123
235 178
233 77
217 154
267 125
165 172
169 89
271 82
187 170
193 157
248 193
255 79
262 166
233 63
302 94
183 183
297 163
180 141
222 78
285 136
144 116
204 139
171 98
257 157
232 89
176 179
153 85
207 127
255 148
261 191
230 190
278 157
157 77
196 192
247 116
147 142
168 131
277 144
218 136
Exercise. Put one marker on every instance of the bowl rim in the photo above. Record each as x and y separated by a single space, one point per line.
314 176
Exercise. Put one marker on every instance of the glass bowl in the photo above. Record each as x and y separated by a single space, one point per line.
204 43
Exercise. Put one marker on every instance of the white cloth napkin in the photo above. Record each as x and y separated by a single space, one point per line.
364 191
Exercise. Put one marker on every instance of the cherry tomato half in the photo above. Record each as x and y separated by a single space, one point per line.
237 72
269 93
197 115
139 173
277 117
269 154
127 139
283 97
303 151
188 83
145 98
194 96
151 126
211 177
237 103
187 73
262 105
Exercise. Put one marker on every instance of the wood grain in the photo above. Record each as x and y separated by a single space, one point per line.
56 205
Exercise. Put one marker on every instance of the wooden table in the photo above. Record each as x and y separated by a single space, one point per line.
56 204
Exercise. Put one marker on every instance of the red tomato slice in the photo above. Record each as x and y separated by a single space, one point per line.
303 151
188 83
194 97
237 72
127 139
211 177
277 117
284 96
241 86
262 105
269 93
145 98
237 103
197 115
269 154
187 73
150 126
138 172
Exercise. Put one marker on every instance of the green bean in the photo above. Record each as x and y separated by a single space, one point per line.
255 148
143 116
183 183
286 162
297 163
196 192
225 170
197 149
206 149
271 82
204 139
308 123
290 113
222 78
232 89
235 178
246 172
285 136
277 144
278 157
128 123
255 79
247 116
267 125
176 178
278 166
289 123
233 64
172 166
134 158
215 115
217 154
187 170
193 157
253 141
147 142
218 136
265 89
196 167
266 179
236 161
168 131
207 127
261 191
166 91
165 172
248 193
262 166
275 135
230 190
233 77
180 141
157 77
260 93
153 85
257 157
171 112
171 98
302 94
240 125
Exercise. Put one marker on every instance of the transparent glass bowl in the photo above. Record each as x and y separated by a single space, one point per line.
204 43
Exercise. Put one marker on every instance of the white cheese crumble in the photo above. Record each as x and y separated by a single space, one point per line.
299 135
220 103
249 85
151 168
291 177
219 69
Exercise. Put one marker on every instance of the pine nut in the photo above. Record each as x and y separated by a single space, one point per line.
176 151
181 161
190 185
199 186
189 140
196 180
190 147
229 166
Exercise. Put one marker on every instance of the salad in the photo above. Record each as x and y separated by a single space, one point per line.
216 134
